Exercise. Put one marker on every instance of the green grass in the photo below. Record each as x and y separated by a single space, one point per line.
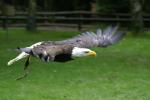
119 72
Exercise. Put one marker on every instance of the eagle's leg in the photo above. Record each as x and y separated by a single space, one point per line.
27 63
26 71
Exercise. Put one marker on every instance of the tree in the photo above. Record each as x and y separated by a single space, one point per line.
111 6
137 20
31 22
7 9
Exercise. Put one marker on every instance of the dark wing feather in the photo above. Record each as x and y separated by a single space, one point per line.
109 36
102 38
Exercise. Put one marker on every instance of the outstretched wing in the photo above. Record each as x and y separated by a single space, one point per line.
102 38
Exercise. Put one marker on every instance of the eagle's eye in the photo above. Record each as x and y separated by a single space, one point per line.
86 51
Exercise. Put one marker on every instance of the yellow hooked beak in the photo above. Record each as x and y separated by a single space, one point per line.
92 53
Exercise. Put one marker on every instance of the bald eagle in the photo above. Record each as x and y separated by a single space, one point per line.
66 50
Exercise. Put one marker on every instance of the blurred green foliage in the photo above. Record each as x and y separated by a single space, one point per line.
68 5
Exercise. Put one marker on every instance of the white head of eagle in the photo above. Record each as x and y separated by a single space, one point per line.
81 52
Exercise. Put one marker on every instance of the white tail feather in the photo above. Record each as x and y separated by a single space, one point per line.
20 56
23 54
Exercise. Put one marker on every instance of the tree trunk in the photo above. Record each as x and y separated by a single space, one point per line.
137 18
45 5
48 5
31 23
93 9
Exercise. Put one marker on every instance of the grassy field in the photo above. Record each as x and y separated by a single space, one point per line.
119 72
